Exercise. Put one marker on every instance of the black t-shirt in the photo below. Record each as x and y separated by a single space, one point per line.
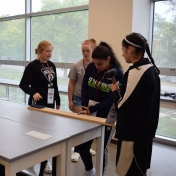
37 78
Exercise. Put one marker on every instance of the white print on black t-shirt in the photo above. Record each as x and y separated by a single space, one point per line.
49 73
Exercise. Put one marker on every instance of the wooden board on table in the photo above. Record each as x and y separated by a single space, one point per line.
87 118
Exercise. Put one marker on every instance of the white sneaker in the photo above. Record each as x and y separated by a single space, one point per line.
90 173
75 157
48 168
92 152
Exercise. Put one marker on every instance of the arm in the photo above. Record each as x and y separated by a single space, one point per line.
26 80
84 89
71 86
85 93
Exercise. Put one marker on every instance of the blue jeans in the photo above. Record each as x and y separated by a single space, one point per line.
76 101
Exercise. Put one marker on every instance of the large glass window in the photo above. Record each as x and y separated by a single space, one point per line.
64 103
11 73
62 77
3 94
66 31
164 36
62 22
41 5
11 7
164 43
12 39
167 123
164 54
16 95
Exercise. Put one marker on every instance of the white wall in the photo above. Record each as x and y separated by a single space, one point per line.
112 20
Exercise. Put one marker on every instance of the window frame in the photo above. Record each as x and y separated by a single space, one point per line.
165 102
27 16
167 71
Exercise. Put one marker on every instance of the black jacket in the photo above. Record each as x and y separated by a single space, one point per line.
103 95
138 110
36 80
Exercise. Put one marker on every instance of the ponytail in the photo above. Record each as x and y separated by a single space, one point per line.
151 58
103 51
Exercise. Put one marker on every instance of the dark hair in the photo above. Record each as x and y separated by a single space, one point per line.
141 48
102 51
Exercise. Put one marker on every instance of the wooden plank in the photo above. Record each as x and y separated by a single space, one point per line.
87 118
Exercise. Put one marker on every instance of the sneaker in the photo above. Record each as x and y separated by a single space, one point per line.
75 157
48 168
90 173
92 152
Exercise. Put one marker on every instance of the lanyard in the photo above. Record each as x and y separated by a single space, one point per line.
84 65
98 86
44 66
49 72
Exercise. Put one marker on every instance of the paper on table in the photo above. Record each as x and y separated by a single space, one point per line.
38 135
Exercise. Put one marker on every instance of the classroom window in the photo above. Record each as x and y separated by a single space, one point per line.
62 77
167 123
11 73
12 39
11 7
64 103
39 5
164 43
63 22
164 35
164 54
66 31
3 94
14 94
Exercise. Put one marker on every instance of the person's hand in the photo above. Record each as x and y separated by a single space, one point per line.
85 111
71 106
37 96
114 86
57 107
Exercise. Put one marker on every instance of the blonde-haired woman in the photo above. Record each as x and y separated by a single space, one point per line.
40 81
76 75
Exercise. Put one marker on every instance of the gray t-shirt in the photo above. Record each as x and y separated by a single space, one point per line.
77 73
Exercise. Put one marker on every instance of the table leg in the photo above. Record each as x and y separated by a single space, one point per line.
84 137
99 154
61 161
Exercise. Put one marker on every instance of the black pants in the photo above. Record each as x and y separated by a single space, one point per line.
76 149
85 147
141 158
